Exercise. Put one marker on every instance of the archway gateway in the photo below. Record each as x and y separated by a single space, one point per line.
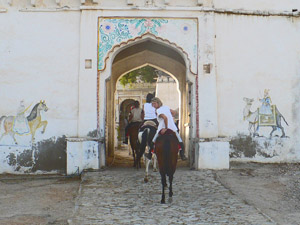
126 44
171 45
157 55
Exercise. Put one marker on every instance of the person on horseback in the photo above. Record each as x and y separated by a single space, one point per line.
149 110
165 120
136 115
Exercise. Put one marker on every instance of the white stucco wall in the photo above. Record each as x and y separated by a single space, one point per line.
168 94
43 50
40 61
253 54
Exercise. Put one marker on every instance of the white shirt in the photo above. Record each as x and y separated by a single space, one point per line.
166 111
149 111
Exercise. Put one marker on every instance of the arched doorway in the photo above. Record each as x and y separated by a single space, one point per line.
162 56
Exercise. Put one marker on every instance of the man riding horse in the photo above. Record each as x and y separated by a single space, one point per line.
165 119
136 115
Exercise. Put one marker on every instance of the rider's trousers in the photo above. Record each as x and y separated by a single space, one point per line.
176 132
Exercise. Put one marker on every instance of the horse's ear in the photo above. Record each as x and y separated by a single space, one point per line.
41 101
44 102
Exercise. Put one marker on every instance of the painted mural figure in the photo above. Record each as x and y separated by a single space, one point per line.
20 123
266 103
34 121
256 119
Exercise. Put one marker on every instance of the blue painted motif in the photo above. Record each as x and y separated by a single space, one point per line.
114 31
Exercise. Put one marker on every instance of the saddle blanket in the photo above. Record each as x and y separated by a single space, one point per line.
267 119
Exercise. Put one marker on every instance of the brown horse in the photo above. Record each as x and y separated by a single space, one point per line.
133 131
166 147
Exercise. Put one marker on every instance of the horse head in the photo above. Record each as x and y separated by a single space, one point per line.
42 106
248 101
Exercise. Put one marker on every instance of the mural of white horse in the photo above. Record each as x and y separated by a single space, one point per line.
34 122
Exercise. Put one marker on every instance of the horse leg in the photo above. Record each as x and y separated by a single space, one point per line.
12 134
283 133
163 184
147 163
44 124
273 129
134 158
279 126
170 188
129 152
154 162
249 128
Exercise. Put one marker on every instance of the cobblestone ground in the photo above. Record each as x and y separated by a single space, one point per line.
120 196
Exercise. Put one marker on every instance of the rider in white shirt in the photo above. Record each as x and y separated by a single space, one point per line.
165 119
149 110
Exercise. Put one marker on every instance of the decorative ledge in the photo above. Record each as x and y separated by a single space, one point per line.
65 8
3 10
81 139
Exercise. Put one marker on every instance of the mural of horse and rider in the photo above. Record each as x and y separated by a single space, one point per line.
15 129
267 115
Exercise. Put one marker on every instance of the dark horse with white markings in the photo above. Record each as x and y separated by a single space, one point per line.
166 147
133 131
145 136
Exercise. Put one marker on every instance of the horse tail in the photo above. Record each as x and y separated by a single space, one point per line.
167 154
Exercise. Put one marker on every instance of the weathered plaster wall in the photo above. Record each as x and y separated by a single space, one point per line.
266 5
254 53
39 61
45 45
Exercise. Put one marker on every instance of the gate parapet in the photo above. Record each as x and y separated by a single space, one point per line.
212 154
84 153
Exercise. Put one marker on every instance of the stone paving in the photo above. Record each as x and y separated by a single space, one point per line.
120 196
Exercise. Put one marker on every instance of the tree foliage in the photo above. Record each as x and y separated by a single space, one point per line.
145 74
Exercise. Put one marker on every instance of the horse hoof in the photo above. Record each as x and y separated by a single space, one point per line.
146 180
170 200
162 201
154 170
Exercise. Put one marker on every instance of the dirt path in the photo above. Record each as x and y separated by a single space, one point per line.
274 189
37 199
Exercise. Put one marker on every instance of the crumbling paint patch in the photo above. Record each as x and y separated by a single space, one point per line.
243 145
261 149
25 158
92 134
50 155
12 159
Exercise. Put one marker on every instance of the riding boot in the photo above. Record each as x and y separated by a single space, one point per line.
125 141
181 152
149 154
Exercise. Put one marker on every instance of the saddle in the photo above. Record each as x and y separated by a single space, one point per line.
267 119
150 123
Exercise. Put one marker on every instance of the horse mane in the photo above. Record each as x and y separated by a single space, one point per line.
33 113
